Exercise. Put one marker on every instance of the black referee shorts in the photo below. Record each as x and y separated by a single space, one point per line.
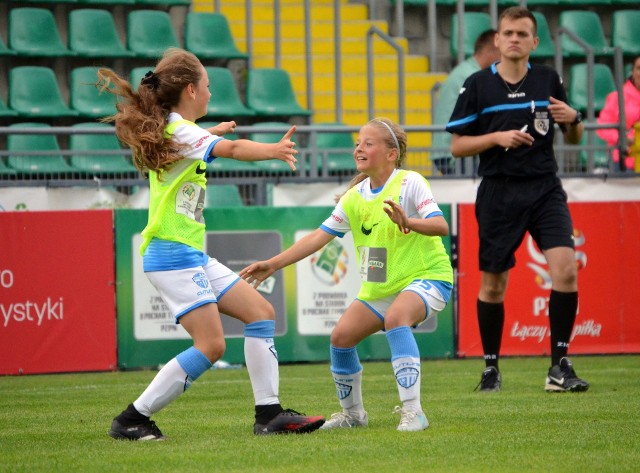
508 207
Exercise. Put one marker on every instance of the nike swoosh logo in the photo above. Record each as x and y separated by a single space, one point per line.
201 170
556 380
366 231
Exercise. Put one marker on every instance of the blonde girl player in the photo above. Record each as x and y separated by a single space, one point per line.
157 122
406 273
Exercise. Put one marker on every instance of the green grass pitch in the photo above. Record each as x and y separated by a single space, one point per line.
52 423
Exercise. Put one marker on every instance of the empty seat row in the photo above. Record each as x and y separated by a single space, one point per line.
93 33
110 161
102 154
113 2
35 92
584 24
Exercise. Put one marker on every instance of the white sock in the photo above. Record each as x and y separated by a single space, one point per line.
408 376
262 363
349 391
169 383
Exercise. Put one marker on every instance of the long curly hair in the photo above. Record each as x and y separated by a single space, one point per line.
142 113
382 123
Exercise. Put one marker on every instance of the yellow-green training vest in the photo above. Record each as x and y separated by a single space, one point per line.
389 259
176 201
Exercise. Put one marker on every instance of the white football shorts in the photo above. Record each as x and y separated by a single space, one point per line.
186 289
433 299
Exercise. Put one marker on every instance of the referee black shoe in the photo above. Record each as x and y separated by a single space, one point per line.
491 380
142 432
563 378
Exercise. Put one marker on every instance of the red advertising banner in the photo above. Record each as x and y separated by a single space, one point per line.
57 295
607 255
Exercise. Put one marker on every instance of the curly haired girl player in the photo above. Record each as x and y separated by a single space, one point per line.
157 122
406 272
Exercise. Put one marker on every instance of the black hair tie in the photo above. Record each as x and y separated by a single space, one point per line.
150 78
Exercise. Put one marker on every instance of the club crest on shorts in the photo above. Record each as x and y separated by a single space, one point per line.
407 377
343 390
201 280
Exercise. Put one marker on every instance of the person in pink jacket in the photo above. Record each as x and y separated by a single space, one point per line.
611 114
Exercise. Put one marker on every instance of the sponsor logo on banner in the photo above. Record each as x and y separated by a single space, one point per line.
540 303
330 264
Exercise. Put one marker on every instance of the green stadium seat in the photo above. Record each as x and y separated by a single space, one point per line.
137 74
225 100
108 2
475 23
338 148
226 166
6 112
207 35
33 32
601 156
169 3
604 83
150 33
6 171
627 70
223 195
86 99
270 93
49 1
587 26
626 31
546 48
4 51
93 33
101 163
34 92
274 166
49 164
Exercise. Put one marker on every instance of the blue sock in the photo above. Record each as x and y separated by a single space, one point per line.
345 360
402 343
260 329
193 362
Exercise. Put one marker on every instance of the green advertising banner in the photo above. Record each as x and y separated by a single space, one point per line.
308 297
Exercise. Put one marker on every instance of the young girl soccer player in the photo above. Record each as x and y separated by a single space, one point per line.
157 122
406 272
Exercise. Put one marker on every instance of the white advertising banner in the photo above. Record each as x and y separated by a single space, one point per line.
330 281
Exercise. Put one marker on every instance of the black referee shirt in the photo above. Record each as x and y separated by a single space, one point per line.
486 104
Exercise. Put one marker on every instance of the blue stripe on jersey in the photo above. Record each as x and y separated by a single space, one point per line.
209 156
330 231
514 106
435 214
463 121
164 255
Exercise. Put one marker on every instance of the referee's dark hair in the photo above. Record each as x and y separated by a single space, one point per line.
515 13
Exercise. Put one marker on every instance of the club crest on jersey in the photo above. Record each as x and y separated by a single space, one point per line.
343 390
201 280
407 377
541 125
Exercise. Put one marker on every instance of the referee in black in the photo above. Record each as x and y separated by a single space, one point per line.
506 114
